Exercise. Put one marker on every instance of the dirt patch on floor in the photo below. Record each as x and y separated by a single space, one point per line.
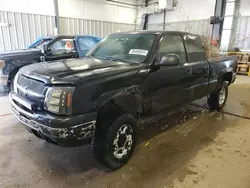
184 155
224 163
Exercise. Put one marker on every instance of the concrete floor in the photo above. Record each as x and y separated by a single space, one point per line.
190 147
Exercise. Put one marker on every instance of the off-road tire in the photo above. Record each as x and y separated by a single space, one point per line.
103 141
214 98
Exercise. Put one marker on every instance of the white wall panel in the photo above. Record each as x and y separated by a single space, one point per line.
200 27
185 10
84 9
191 10
98 10
44 7
242 37
92 27
156 18
244 8
189 15
22 28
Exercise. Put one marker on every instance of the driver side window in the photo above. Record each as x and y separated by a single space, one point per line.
62 46
172 44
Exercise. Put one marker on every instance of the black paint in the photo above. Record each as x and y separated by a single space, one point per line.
132 88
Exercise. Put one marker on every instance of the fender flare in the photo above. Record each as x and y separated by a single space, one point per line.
226 71
128 100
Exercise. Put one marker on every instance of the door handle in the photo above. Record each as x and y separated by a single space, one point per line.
188 72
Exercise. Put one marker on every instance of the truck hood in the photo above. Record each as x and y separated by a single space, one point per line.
4 55
76 71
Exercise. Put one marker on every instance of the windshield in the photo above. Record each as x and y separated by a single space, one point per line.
40 44
131 48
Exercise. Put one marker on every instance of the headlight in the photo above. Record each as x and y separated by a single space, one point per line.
58 100
2 64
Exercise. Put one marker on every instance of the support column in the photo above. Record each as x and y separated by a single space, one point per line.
57 28
164 19
219 11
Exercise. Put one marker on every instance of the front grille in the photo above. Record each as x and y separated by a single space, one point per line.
31 84
21 93
31 89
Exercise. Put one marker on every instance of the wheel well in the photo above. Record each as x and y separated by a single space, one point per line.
227 77
12 75
108 113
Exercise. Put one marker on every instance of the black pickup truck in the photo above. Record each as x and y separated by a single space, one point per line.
43 49
127 75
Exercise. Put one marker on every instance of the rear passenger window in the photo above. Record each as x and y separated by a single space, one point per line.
172 44
195 50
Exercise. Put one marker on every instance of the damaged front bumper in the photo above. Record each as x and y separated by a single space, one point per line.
67 131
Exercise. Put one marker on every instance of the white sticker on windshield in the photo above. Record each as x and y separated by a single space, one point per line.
138 52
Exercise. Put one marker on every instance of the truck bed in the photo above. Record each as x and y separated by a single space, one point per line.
222 58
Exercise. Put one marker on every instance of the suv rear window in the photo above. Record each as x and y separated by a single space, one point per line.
195 50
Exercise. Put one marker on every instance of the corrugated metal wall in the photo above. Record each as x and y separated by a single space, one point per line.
241 36
92 27
200 27
18 30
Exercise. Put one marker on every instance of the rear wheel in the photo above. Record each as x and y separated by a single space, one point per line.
114 143
217 100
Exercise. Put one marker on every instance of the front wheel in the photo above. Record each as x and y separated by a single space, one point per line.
217 100
114 145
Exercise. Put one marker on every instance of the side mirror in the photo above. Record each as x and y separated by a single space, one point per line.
169 60
45 49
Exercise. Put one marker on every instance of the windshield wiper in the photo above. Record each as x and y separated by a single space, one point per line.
114 59
111 58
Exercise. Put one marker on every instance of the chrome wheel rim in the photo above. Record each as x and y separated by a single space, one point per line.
222 96
122 143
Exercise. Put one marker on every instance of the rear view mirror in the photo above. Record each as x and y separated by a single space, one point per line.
169 60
